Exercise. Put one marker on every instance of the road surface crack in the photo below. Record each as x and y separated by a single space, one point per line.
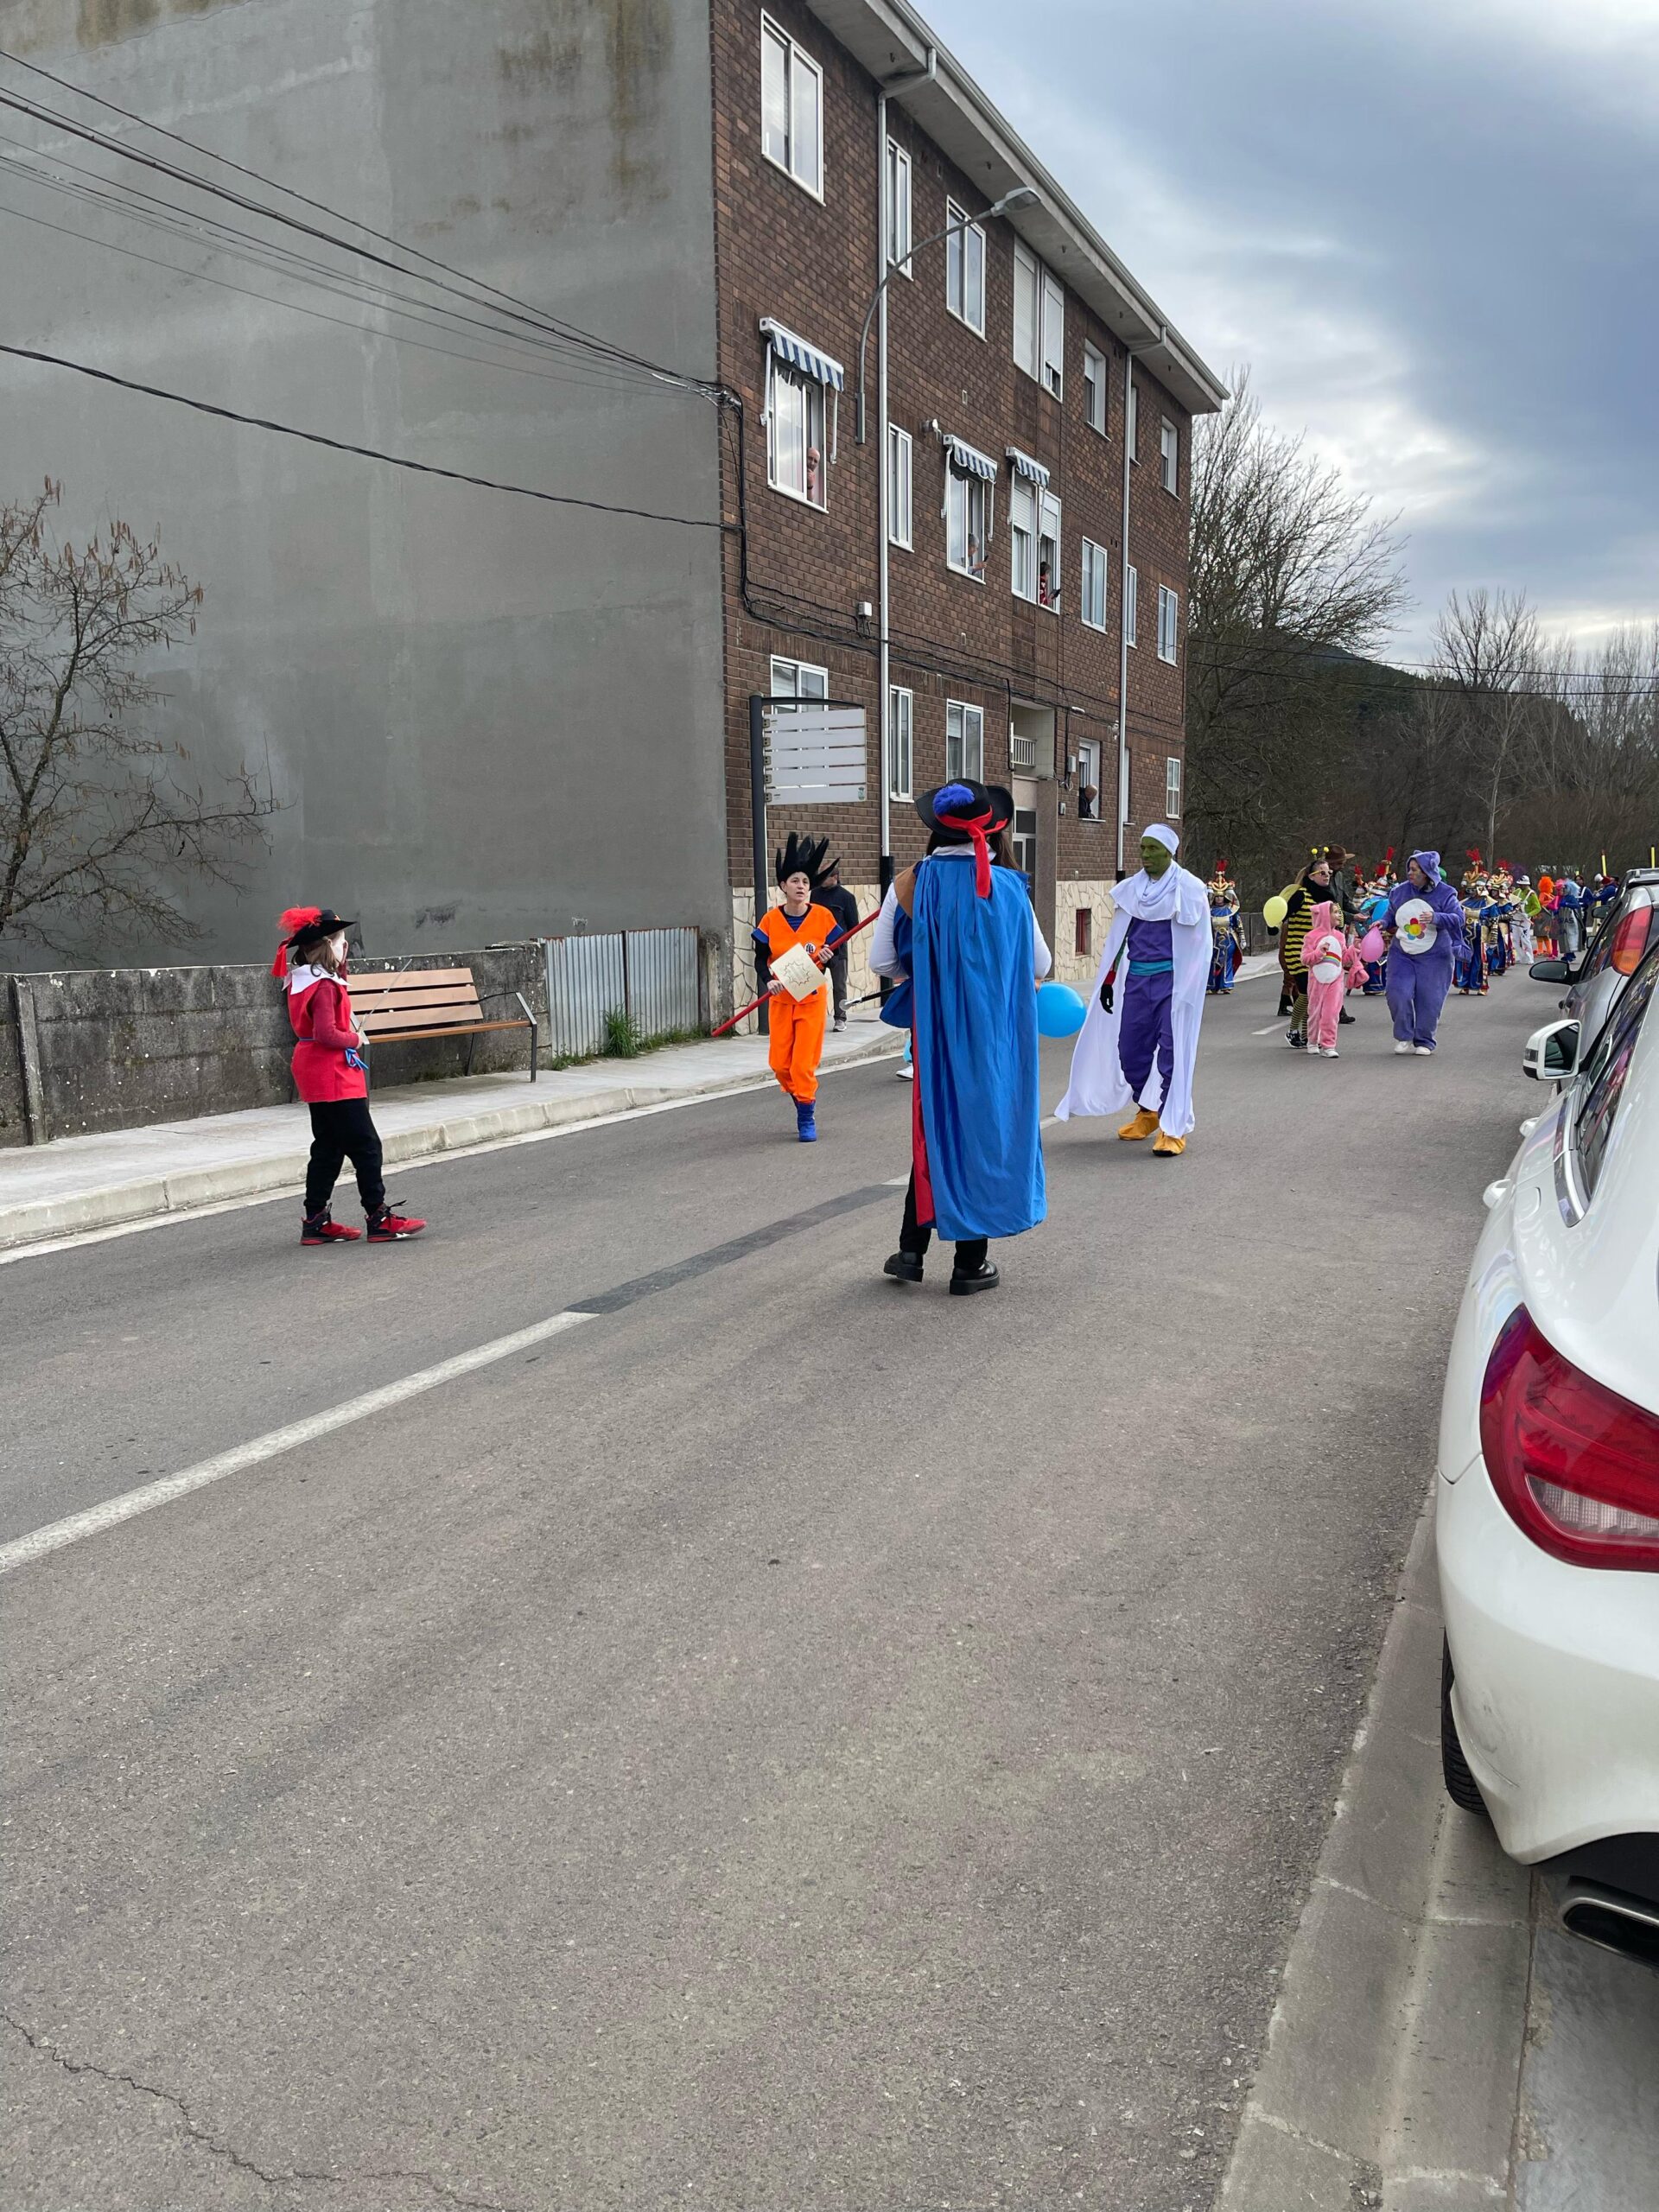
277 2178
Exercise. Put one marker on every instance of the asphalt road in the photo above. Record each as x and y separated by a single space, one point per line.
794 1741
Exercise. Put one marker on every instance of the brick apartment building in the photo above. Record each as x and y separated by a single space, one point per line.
489 718
994 638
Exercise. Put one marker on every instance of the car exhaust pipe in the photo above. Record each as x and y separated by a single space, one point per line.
1612 1921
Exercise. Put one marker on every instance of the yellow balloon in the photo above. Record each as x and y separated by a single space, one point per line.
1275 912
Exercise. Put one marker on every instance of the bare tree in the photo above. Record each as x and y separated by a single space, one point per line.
1487 658
98 817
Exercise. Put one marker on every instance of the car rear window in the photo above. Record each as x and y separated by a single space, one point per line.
1604 1079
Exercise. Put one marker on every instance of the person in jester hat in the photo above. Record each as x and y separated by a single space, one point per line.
1149 1002
332 1077
796 1006
957 933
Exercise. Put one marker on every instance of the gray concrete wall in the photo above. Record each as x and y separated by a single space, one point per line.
123 1048
486 718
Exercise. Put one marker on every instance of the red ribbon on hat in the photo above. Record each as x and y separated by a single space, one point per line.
291 921
975 826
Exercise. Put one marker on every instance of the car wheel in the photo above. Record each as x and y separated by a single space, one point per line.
1460 1785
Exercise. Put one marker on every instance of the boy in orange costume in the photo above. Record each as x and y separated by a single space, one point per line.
797 1024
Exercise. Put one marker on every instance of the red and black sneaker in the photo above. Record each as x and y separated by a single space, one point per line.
389 1228
323 1229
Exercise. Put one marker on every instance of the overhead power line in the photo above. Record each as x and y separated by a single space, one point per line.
343 445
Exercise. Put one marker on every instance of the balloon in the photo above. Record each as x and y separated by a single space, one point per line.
1059 1011
1275 912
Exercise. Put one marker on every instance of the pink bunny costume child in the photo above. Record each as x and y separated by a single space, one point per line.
1334 968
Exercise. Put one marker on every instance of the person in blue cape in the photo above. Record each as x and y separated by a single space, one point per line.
959 934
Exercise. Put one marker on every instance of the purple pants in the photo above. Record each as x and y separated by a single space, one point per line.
1146 1030
1417 988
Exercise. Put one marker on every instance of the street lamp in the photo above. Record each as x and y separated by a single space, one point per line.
1018 198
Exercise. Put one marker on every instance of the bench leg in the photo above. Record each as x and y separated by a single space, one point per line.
535 1055
471 1042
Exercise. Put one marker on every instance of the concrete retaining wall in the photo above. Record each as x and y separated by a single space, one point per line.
85 1049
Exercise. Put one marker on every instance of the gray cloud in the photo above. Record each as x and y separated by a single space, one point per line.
1429 224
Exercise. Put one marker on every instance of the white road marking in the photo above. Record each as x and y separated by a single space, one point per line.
25 1550
1270 1028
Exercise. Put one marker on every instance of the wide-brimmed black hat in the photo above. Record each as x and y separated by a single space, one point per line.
961 801
303 925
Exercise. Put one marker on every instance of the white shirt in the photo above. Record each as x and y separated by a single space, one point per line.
884 957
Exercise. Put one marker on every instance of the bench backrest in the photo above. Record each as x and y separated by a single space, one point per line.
420 998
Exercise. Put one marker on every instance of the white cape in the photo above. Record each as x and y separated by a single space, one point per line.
1097 1086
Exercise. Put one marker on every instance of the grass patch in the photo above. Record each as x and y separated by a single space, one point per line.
624 1041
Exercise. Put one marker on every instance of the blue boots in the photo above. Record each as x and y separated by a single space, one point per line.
805 1126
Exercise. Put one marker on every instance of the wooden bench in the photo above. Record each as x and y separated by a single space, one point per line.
421 1003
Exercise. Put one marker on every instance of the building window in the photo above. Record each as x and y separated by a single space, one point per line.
795 432
1094 387
964 741
1022 537
966 510
1168 616
791 107
964 269
1131 603
899 232
1048 552
1083 932
901 729
899 486
799 679
1091 602
1053 335
1172 787
1135 419
1039 320
1089 780
1171 453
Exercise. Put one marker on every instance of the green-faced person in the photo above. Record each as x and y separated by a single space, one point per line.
1150 999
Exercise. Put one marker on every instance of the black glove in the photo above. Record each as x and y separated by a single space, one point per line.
1106 996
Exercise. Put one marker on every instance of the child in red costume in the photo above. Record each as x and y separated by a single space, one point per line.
332 1077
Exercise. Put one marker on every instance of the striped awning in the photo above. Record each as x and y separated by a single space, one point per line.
799 355
1033 471
969 459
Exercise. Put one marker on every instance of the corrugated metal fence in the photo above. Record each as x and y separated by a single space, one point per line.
651 975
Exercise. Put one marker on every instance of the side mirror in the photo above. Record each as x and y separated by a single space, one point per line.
1551 971
1552 1052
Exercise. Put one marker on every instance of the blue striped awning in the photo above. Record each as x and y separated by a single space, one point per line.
969 459
1033 471
799 355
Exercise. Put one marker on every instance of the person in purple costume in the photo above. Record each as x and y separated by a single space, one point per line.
1418 980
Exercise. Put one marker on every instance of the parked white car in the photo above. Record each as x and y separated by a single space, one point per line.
1548 1501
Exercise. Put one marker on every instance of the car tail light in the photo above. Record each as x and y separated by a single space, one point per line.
1630 939
1575 1465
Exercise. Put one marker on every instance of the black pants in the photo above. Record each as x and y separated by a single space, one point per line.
970 1254
341 1129
838 983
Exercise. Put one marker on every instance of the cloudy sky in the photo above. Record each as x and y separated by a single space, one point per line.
1430 226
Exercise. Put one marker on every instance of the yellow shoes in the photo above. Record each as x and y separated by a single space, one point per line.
1166 1147
1142 1126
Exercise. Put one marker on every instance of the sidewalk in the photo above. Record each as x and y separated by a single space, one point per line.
102 1182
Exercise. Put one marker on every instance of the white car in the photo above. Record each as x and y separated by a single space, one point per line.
1548 1501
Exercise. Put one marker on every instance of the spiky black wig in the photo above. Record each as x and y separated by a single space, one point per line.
804 856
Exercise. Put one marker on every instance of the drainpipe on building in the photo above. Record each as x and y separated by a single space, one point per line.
884 657
1130 355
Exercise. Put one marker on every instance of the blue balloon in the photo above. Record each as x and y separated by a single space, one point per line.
1059 1010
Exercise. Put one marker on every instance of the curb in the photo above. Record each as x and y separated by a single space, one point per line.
1391 2079
190 1189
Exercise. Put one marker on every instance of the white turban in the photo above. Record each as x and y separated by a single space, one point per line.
1165 837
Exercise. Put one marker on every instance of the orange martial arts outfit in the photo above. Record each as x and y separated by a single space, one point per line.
797 1024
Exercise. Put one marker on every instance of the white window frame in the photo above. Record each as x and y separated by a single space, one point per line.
900 231
1028 309
1091 585
784 677
901 487
960 249
1134 421
1048 536
901 742
1169 623
975 494
799 70
1095 373
1022 537
1173 786
783 375
1088 772
1169 447
970 738
1053 347
1131 604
